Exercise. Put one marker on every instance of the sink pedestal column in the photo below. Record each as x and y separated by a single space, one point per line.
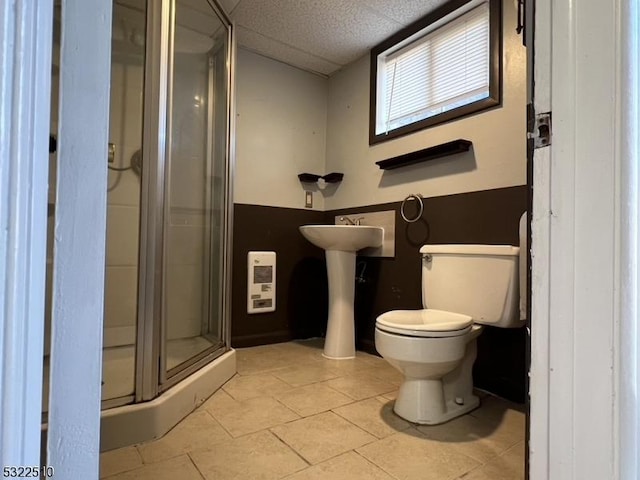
340 342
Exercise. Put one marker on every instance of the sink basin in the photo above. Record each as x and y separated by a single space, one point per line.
341 242
347 238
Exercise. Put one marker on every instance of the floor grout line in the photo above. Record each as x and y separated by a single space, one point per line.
356 425
193 462
290 409
375 439
220 423
217 422
374 464
290 447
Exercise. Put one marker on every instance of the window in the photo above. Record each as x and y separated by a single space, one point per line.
444 66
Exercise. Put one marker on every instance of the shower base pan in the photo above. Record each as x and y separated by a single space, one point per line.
141 422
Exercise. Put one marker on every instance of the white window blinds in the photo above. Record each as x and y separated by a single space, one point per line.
444 69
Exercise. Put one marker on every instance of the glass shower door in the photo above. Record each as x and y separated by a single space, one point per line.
195 189
128 43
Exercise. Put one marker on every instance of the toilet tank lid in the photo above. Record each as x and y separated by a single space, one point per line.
466 249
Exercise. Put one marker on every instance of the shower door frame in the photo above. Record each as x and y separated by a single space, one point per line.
151 376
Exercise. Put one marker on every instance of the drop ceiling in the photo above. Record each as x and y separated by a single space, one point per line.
321 36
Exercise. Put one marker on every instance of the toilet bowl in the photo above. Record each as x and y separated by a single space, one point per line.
463 288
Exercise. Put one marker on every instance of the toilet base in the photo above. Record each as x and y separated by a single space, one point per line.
434 399
422 401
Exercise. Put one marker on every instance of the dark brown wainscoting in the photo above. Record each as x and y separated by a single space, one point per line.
488 217
301 278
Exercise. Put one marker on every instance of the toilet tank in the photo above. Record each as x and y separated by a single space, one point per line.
477 280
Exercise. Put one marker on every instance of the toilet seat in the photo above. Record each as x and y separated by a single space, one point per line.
424 323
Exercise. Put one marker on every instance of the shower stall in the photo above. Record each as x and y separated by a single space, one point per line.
169 201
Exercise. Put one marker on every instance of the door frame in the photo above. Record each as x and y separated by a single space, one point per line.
584 343
26 29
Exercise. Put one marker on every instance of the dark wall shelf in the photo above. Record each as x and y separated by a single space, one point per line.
426 154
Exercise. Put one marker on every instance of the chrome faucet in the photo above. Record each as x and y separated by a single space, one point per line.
350 221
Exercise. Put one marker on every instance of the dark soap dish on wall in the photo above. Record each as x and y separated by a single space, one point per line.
308 177
332 177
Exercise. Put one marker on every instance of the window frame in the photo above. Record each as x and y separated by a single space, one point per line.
495 71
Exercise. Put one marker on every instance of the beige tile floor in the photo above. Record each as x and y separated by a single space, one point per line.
290 413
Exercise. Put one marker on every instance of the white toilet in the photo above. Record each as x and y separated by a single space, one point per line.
463 288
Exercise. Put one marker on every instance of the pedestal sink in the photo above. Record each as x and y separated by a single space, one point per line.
341 242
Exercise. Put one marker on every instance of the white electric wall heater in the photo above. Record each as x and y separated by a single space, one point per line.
261 282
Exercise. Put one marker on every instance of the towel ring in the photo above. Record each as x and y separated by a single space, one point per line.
418 198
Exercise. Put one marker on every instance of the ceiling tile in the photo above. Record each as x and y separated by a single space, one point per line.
404 11
339 31
321 35
285 53
229 5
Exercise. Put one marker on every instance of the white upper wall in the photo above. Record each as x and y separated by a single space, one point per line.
498 136
280 131
290 121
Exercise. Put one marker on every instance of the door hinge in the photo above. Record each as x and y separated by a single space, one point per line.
539 129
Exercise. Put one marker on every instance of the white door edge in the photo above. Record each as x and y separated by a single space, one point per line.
584 345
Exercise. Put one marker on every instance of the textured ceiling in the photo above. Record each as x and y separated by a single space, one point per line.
321 36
